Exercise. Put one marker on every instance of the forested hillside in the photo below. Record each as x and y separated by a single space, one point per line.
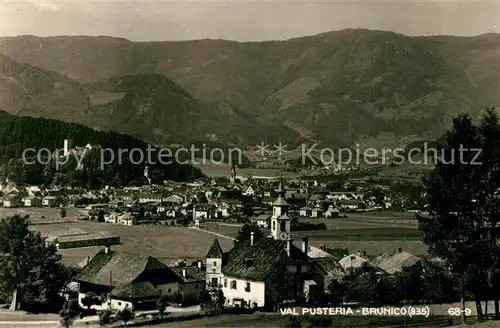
20 133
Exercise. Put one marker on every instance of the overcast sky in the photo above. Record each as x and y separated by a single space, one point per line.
243 20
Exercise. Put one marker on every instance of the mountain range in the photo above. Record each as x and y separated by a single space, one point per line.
338 88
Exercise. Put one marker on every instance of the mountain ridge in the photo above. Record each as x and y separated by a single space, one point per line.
337 88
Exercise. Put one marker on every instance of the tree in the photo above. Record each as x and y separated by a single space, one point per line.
220 300
69 313
126 315
63 212
105 318
454 229
245 232
89 300
30 266
490 144
161 305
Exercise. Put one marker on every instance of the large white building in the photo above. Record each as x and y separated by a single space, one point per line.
250 274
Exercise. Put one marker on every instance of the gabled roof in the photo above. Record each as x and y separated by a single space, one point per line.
215 251
268 259
135 290
117 268
398 261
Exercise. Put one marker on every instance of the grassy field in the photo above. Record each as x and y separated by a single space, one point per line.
374 233
163 242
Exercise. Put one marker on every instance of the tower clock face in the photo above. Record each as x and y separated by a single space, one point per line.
283 236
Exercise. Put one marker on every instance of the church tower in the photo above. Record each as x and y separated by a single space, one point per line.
280 221
232 174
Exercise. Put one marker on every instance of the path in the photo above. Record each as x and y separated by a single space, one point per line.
213 233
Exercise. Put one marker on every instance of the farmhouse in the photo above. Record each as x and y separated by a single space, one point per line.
251 272
49 201
12 200
125 279
32 201
191 281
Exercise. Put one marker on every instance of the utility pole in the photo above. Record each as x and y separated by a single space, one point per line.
110 285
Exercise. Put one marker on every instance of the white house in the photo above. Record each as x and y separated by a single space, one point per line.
112 218
248 191
49 201
32 201
126 219
12 201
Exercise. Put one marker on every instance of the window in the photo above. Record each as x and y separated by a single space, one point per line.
170 290
195 286
215 282
225 283
119 303
274 225
215 264
180 289
233 284
214 270
247 287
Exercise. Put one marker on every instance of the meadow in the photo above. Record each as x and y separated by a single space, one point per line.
375 233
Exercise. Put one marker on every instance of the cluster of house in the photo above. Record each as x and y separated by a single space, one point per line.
249 274
21 196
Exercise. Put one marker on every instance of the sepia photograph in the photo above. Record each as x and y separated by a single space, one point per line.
249 163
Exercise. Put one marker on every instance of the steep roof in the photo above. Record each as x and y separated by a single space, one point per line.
261 261
280 201
117 268
215 251
135 290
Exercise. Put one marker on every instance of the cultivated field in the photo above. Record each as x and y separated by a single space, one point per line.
374 233
163 242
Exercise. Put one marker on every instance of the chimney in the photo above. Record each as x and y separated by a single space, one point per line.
305 244
106 249
184 272
358 253
288 246
199 264
323 247
251 238
364 254
399 250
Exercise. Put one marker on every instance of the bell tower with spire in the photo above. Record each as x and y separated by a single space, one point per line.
232 174
280 221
